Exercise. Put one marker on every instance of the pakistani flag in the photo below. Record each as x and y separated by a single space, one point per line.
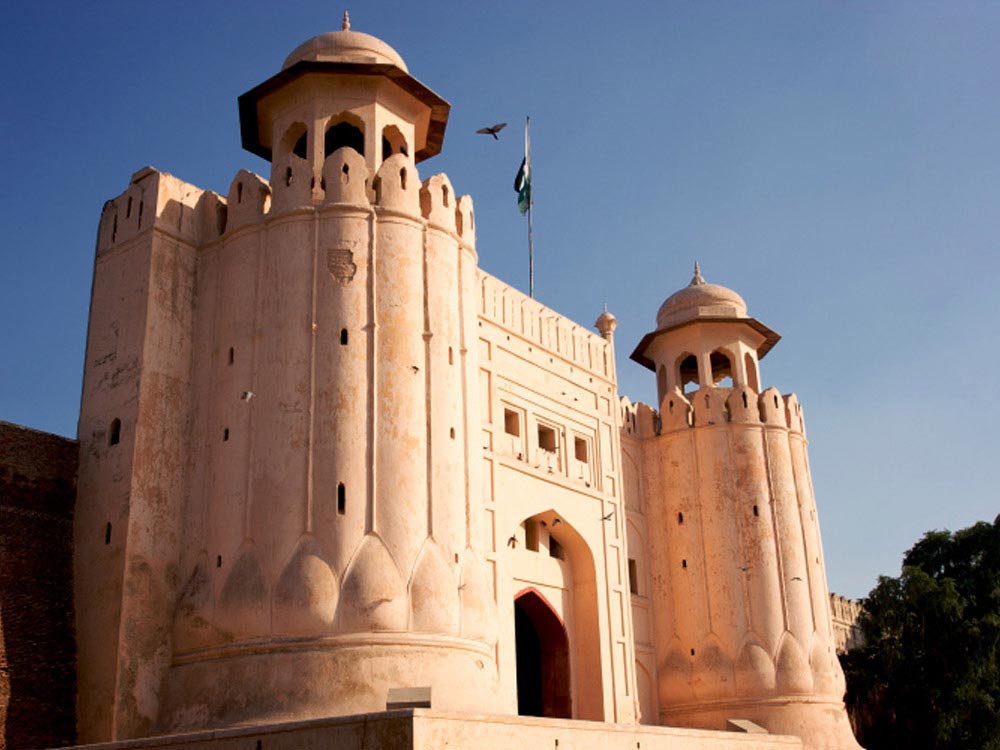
522 184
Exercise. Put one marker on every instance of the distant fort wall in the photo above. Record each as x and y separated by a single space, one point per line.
37 646
847 634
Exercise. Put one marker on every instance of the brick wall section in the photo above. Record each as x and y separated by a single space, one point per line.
37 649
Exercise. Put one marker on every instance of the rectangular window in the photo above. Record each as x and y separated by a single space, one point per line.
580 449
531 535
556 549
633 577
546 438
511 422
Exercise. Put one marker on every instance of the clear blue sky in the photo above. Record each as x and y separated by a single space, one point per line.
837 163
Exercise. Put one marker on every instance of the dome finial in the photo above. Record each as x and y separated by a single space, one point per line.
697 280
347 22
606 323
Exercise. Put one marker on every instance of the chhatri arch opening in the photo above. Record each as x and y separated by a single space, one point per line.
556 622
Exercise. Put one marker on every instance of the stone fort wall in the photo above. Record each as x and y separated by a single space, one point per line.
37 648
845 613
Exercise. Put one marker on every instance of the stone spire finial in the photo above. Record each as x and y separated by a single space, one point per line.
347 22
697 280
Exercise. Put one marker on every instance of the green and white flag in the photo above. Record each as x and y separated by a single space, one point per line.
522 184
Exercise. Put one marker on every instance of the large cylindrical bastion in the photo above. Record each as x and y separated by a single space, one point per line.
739 585
334 550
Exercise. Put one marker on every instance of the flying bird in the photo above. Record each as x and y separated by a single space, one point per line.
608 517
493 130
247 395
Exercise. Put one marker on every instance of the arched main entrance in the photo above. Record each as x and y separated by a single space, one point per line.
543 680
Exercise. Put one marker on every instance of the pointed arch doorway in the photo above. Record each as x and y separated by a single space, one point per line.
543 678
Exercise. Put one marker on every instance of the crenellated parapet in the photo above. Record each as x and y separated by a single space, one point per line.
248 200
293 182
447 213
157 199
713 407
465 221
346 178
628 413
437 202
201 217
537 324
397 186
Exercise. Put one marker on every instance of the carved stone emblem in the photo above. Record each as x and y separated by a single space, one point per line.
340 262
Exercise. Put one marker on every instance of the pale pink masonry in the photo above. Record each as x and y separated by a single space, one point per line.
326 461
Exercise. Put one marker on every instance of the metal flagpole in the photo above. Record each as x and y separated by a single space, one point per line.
531 200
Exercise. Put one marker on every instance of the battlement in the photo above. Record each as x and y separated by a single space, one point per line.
845 614
199 216
249 198
514 311
710 407
153 197
396 186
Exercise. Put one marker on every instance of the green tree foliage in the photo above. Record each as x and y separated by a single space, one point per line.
928 676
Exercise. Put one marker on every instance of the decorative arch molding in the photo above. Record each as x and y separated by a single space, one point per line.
343 129
534 590
722 363
582 616
686 372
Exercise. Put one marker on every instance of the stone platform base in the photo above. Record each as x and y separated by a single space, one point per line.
428 729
